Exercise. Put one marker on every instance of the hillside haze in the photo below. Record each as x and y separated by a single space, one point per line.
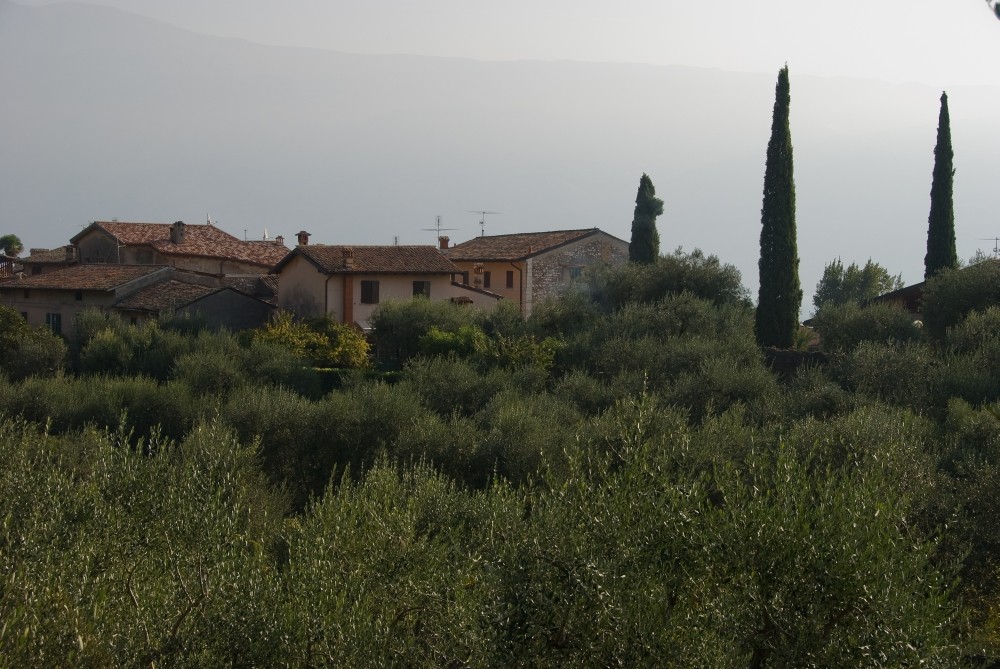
110 115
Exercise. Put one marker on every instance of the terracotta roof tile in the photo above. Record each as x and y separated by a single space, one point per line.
379 259
58 255
85 277
205 241
514 247
164 296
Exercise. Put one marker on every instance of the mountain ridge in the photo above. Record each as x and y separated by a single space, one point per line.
110 117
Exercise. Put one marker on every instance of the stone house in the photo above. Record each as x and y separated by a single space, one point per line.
529 266
349 282
55 298
137 292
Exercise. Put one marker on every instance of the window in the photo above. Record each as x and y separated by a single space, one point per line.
486 279
27 293
465 278
369 292
78 296
54 323
36 269
575 273
510 278
421 289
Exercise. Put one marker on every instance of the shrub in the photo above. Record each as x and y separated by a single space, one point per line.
703 276
952 295
843 327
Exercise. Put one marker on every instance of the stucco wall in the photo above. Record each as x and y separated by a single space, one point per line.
301 288
40 302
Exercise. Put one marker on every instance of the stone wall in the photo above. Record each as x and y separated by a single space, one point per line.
552 272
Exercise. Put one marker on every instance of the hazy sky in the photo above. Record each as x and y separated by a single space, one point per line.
937 42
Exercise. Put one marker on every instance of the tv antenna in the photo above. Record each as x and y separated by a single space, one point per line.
996 244
482 219
437 227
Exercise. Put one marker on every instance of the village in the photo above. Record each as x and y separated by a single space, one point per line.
143 271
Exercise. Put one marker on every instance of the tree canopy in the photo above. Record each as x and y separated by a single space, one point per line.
780 296
941 251
842 285
645 244
11 245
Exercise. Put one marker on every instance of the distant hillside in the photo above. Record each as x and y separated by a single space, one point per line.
107 114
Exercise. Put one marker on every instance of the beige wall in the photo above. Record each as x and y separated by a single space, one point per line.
498 277
307 292
301 288
40 302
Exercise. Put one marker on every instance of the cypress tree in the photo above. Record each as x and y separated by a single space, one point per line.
780 296
645 244
941 252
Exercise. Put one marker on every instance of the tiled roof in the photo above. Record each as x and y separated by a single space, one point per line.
55 256
85 277
164 296
263 287
204 241
516 246
377 259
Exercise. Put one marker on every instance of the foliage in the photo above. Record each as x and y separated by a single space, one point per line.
841 285
11 245
780 296
703 276
322 341
28 351
941 251
951 295
844 327
398 326
645 244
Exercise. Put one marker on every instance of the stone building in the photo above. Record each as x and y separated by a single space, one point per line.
529 266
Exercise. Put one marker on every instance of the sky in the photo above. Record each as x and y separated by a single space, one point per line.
941 43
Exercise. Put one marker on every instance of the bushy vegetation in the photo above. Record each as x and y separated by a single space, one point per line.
620 480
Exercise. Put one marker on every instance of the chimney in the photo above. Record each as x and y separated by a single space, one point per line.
279 240
303 238
177 232
70 253
443 241
348 257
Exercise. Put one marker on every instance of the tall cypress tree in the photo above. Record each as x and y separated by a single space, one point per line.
780 296
941 252
645 244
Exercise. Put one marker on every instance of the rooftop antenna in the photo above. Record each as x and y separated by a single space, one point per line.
437 227
996 244
482 219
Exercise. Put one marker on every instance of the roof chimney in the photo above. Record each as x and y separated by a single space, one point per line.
348 257
303 238
177 232
279 240
443 241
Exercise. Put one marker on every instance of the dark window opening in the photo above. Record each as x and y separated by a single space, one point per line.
422 289
54 323
369 292
510 278
36 270
78 296
465 278
575 273
486 279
